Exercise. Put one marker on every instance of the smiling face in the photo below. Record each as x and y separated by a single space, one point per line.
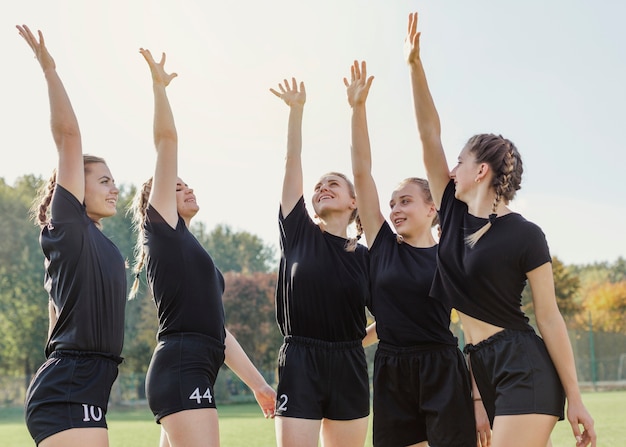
100 191
411 212
185 200
332 194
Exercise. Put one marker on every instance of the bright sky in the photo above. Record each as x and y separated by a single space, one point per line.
547 75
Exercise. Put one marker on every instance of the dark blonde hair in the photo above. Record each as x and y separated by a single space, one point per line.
39 210
138 211
506 164
354 217
425 187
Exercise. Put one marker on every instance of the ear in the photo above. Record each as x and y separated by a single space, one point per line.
483 171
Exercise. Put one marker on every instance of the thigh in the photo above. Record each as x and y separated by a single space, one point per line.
526 430
79 437
344 433
296 432
192 428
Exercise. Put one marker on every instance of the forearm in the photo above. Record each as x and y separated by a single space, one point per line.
164 127
361 149
426 114
63 122
238 361
52 317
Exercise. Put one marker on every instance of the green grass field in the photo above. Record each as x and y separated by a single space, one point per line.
244 426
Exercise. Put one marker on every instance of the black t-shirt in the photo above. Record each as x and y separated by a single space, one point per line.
85 278
186 285
401 277
486 281
322 289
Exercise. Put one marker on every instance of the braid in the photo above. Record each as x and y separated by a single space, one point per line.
39 210
138 210
353 241
504 187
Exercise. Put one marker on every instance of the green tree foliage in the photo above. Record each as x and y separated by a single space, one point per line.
606 304
250 316
23 301
233 251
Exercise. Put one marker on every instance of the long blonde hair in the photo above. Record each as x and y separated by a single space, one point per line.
138 211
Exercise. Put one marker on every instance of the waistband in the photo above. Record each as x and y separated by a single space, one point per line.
68 353
503 334
191 336
329 345
402 351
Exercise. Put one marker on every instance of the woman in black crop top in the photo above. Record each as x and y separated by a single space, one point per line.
323 386
486 254
187 288
422 391
67 400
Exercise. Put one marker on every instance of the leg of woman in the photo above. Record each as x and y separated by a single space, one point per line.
344 433
96 437
524 430
164 442
296 432
190 428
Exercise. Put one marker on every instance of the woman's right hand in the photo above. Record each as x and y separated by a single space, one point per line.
290 93
159 76
38 47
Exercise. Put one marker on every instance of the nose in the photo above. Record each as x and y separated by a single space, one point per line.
453 172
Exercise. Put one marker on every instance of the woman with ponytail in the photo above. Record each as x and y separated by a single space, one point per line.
322 289
85 277
487 253
187 287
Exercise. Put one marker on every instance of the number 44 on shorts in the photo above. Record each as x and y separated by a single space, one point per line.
198 397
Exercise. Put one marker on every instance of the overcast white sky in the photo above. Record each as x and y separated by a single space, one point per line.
548 75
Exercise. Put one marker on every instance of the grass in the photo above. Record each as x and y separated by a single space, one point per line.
243 425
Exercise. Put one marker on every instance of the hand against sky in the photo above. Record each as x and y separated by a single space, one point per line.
159 76
359 85
412 41
39 48
290 93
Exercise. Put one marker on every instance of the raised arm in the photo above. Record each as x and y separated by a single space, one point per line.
366 193
427 117
163 193
239 362
63 122
292 181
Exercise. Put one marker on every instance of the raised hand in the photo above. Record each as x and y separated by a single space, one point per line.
359 85
290 93
159 76
38 47
412 41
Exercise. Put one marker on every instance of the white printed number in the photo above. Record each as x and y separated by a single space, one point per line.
91 413
198 397
283 402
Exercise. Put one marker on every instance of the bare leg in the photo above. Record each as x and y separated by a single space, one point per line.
344 433
191 428
525 430
93 437
296 432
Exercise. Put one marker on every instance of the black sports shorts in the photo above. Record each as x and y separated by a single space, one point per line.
422 393
515 375
182 373
319 379
70 390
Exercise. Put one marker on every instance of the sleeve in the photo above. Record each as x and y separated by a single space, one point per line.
65 207
293 225
537 251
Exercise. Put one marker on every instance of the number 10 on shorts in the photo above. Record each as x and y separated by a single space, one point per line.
198 397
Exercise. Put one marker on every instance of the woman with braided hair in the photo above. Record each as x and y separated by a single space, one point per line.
85 277
486 255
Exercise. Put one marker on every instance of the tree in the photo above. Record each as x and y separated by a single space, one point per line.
607 305
235 251
250 316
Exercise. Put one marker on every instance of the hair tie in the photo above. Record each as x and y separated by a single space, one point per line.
492 218
137 275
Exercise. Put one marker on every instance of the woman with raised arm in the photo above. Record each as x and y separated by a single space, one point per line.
322 290
187 288
486 255
421 386
66 402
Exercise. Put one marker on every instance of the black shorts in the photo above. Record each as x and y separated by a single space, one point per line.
422 393
70 390
182 373
319 379
515 375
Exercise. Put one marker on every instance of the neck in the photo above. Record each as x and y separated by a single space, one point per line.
335 226
423 239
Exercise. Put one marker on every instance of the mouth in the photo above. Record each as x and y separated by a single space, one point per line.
112 202
398 221
324 197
